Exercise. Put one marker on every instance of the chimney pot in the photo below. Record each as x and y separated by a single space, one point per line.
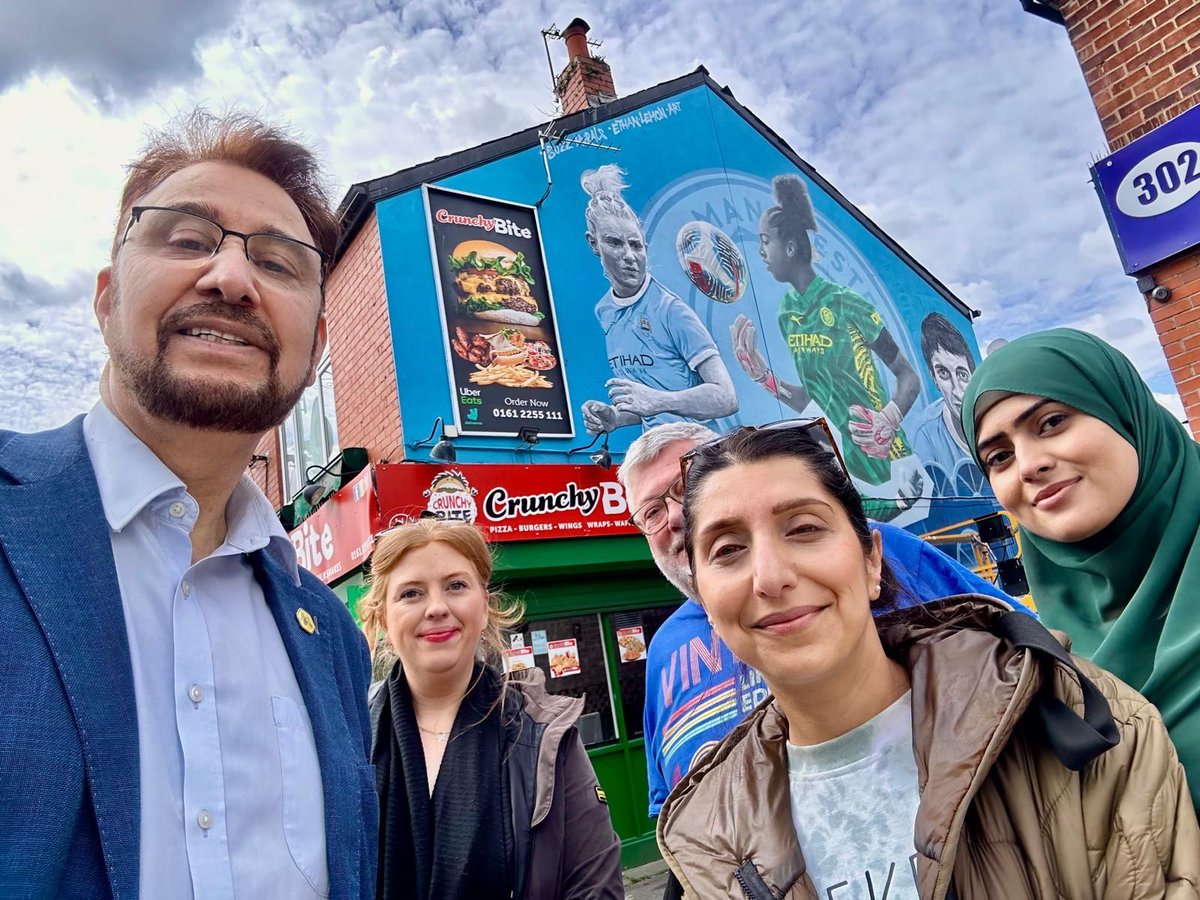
575 35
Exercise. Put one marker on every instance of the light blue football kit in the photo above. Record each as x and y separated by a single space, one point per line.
656 339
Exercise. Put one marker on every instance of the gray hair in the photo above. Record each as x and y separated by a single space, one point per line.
647 448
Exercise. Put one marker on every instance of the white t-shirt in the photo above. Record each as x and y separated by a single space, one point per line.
854 802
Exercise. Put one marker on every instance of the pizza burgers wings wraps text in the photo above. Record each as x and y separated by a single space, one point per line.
494 283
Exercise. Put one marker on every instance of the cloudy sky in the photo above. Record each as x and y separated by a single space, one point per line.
964 129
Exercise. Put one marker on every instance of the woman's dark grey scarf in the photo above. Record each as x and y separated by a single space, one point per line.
457 844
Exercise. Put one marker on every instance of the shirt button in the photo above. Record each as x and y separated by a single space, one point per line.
177 510
205 819
195 693
187 588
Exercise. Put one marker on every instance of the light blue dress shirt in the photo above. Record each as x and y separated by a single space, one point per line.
231 802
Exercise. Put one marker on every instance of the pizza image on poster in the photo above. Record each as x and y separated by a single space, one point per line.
502 347
632 643
564 658
518 659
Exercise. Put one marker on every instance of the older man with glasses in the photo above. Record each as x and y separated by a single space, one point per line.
696 691
182 707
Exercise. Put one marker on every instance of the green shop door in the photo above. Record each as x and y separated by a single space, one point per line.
586 591
601 656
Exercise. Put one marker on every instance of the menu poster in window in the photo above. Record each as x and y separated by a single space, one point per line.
632 642
518 658
540 644
502 347
564 658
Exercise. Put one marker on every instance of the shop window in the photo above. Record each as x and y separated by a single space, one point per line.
579 669
631 632
308 437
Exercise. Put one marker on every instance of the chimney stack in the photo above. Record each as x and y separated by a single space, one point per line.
587 80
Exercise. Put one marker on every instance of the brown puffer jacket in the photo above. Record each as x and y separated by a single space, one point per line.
1000 815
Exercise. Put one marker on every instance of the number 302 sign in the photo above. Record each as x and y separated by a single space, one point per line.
1165 179
1149 191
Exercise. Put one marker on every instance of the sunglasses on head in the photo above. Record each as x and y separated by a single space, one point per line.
816 430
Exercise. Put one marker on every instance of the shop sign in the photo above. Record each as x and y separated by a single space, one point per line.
1149 191
337 538
498 324
509 503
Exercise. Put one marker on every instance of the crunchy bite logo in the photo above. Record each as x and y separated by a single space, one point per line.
487 223
451 497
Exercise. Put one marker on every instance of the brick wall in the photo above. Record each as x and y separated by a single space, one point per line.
1141 61
364 370
584 77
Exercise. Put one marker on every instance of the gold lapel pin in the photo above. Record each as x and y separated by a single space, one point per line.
307 622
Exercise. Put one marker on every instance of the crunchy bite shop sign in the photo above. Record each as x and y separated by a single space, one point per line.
338 537
509 503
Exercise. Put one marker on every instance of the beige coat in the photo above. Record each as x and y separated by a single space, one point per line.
1000 816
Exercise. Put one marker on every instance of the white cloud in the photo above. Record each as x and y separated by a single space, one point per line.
1172 402
49 370
963 129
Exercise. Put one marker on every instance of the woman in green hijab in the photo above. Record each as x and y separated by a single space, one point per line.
1105 485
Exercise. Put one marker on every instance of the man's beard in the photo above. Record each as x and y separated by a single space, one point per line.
208 403
680 577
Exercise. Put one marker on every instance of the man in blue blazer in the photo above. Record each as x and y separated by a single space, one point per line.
182 708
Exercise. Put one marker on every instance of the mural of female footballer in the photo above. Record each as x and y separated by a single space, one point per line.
665 364
834 336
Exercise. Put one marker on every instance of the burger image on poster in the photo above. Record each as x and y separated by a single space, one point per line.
711 261
494 283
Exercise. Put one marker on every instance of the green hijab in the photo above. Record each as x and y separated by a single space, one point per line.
1129 597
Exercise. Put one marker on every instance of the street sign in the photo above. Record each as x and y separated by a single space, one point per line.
1149 191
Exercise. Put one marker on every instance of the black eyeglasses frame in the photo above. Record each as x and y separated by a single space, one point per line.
137 211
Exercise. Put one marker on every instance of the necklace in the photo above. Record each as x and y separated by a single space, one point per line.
440 735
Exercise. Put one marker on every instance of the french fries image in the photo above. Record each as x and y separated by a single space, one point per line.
509 376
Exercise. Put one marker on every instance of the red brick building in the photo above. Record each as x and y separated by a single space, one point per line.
359 332
1141 62
528 469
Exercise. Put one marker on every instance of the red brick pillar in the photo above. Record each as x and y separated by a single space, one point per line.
1141 61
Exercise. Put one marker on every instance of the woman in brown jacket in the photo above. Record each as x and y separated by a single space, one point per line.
954 751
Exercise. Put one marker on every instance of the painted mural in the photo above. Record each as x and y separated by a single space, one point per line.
698 273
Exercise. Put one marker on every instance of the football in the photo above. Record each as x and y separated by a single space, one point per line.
711 261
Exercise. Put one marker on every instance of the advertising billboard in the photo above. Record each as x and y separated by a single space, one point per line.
700 272
503 355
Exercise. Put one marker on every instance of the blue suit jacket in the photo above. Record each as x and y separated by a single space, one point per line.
69 797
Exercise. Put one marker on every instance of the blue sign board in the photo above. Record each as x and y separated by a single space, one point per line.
1149 191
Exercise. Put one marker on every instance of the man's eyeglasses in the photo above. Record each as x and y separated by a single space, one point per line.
190 237
652 515
814 429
